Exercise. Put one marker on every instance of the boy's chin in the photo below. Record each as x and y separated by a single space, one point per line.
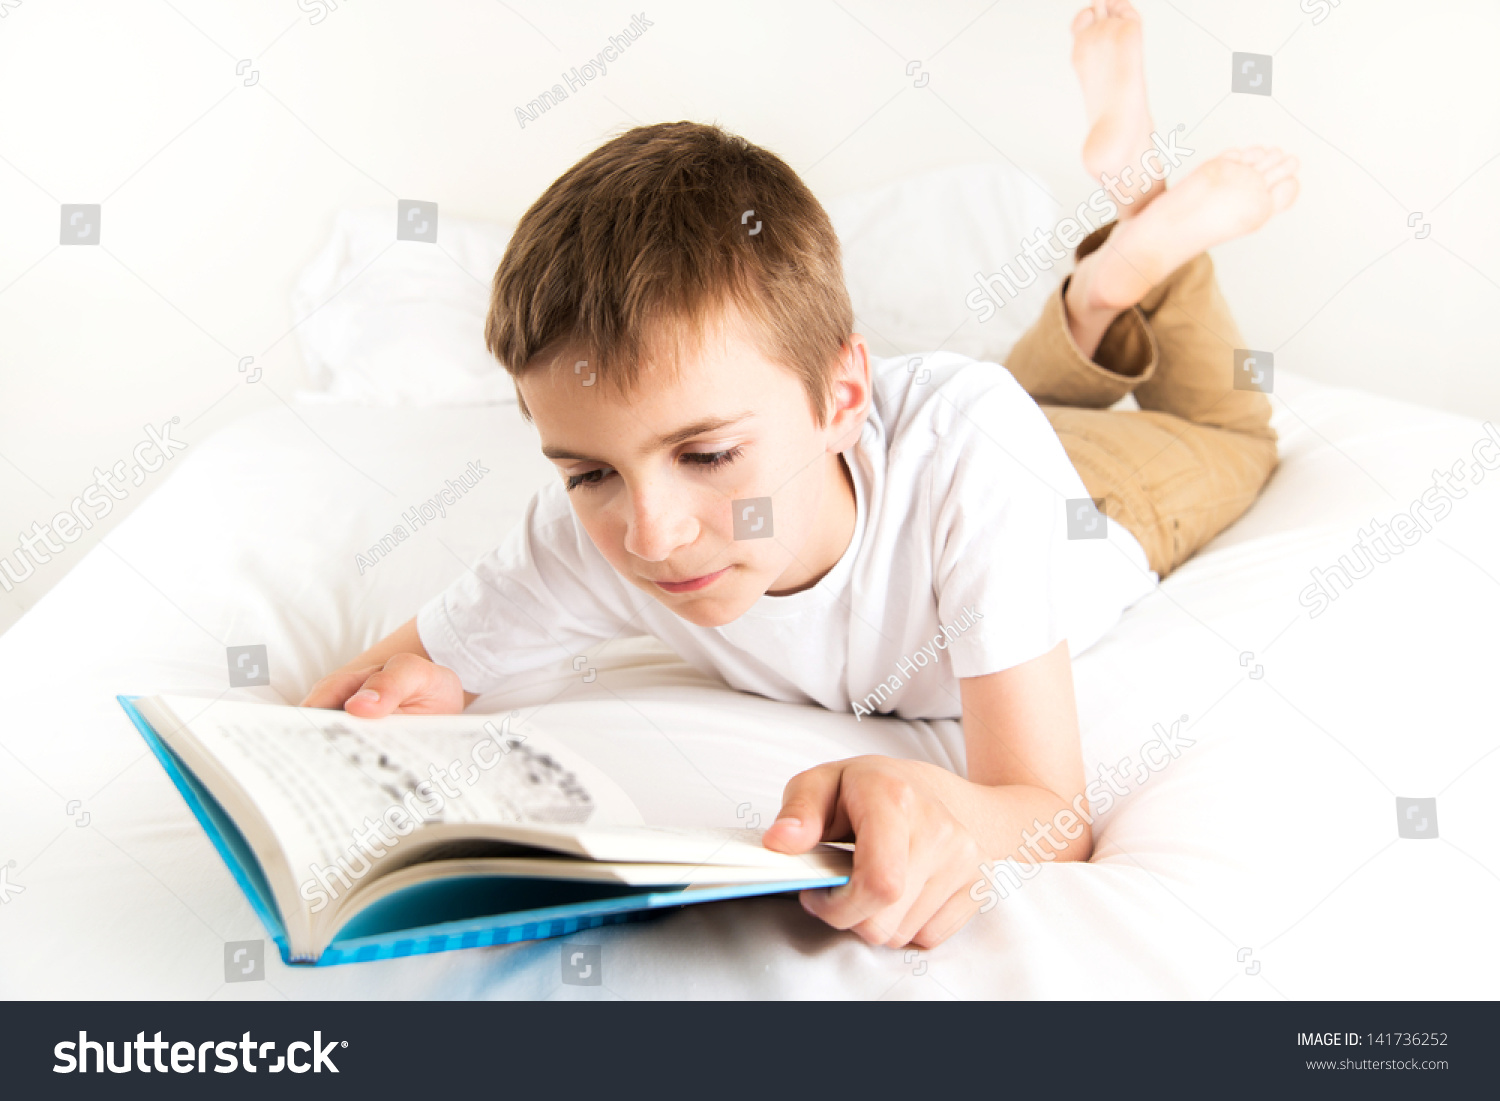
718 610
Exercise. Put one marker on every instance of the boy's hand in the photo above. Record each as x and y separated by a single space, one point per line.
406 684
914 861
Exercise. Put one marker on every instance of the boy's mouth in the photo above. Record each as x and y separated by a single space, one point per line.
692 584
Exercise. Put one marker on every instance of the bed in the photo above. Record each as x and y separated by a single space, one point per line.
1324 831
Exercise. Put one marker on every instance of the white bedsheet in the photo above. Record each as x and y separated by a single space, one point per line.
1273 837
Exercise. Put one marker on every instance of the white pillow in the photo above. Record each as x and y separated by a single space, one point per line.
408 328
912 249
401 323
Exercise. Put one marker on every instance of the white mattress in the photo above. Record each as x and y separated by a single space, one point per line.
1262 863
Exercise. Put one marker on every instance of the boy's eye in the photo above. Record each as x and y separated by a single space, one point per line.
712 460
704 460
588 479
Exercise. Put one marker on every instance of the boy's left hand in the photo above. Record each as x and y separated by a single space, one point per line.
914 861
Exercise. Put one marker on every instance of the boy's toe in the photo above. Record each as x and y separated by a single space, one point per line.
1269 157
1284 193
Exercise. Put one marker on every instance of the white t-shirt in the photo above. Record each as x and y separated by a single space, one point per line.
960 484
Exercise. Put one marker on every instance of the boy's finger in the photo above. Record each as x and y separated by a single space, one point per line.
808 805
882 858
933 907
394 684
957 912
335 688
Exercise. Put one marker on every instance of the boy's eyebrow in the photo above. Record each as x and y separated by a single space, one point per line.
671 439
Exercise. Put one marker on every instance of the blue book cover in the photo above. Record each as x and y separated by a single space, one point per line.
443 914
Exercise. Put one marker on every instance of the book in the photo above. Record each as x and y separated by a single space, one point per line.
359 839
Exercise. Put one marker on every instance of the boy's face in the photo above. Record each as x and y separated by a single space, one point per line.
654 476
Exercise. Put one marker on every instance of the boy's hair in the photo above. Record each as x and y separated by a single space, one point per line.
644 242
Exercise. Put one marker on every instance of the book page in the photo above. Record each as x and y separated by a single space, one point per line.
321 778
704 846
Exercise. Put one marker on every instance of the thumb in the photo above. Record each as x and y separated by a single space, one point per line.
403 683
809 806
334 689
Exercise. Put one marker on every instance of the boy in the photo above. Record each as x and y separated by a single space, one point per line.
738 479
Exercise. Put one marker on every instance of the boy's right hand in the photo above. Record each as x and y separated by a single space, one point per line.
406 684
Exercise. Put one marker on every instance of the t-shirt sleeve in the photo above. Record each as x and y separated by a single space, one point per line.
541 596
1008 580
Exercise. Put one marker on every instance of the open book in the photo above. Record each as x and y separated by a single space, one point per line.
360 839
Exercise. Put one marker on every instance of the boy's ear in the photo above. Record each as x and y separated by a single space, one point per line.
849 396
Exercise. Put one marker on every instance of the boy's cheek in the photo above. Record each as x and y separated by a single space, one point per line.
608 539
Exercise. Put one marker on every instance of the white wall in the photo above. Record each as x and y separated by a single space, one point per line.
215 194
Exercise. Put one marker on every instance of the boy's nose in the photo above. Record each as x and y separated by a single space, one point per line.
658 526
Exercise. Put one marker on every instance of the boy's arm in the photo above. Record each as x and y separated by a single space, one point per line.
396 674
922 832
1021 730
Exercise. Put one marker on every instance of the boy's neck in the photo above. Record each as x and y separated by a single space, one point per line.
834 532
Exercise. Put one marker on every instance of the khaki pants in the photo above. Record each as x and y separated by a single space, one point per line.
1197 453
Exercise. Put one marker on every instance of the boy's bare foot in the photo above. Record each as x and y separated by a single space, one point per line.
1107 58
1227 197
